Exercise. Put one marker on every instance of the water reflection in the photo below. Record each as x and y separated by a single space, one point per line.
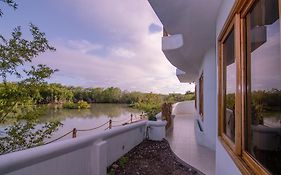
263 127
97 115
96 111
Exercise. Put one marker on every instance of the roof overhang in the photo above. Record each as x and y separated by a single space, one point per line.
183 77
192 27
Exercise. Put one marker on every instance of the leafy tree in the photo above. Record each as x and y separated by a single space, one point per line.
112 95
10 3
96 94
18 100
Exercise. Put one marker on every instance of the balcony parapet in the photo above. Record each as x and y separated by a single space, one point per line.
171 42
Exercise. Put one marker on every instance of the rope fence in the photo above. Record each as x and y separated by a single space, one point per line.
93 128
110 126
59 137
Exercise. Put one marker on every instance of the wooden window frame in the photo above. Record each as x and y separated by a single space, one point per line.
201 96
195 92
236 19
234 26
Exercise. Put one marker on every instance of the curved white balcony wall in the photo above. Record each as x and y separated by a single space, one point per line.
89 155
172 42
181 76
196 21
187 78
171 46
185 107
180 72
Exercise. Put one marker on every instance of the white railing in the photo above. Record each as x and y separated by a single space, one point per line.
88 155
181 108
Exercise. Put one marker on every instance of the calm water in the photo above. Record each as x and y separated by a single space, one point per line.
97 115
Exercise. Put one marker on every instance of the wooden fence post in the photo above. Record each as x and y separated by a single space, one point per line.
74 132
110 124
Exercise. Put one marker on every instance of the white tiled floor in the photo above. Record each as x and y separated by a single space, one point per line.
183 143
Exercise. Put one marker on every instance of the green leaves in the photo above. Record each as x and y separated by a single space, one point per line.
23 135
18 101
16 51
10 3
38 74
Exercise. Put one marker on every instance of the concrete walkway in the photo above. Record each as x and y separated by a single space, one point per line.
183 143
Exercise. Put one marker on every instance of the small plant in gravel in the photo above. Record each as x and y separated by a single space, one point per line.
111 171
123 160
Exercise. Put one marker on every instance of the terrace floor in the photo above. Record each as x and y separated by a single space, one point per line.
183 143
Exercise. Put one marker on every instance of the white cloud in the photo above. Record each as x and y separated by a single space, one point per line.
122 52
134 60
83 45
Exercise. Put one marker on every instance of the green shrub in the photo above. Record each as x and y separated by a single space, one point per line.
70 105
82 105
79 105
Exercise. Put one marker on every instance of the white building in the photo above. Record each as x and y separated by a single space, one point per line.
231 50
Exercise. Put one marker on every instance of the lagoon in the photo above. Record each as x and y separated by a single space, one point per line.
81 119
97 115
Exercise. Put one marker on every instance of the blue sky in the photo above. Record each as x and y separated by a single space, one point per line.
100 43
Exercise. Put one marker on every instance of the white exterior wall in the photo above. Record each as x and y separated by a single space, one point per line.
182 108
89 155
208 136
224 163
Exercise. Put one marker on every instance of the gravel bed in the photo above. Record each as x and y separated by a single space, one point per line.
151 158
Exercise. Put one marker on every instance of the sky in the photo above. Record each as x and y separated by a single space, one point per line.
265 62
100 43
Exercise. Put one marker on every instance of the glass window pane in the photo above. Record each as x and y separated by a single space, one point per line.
263 125
230 86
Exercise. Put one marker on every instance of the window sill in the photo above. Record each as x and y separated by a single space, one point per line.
242 166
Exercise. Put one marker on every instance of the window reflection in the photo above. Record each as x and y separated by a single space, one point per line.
230 82
263 126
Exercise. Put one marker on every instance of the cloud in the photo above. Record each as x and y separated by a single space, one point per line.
154 28
132 60
122 20
83 45
122 52
143 72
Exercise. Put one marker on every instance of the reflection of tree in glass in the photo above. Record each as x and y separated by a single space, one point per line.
230 101
265 103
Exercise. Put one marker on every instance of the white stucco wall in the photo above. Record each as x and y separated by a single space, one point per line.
89 155
185 107
207 137
224 163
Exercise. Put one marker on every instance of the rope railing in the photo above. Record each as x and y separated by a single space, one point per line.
74 130
118 121
59 137
90 129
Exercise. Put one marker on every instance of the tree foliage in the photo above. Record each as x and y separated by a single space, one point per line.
10 3
18 100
